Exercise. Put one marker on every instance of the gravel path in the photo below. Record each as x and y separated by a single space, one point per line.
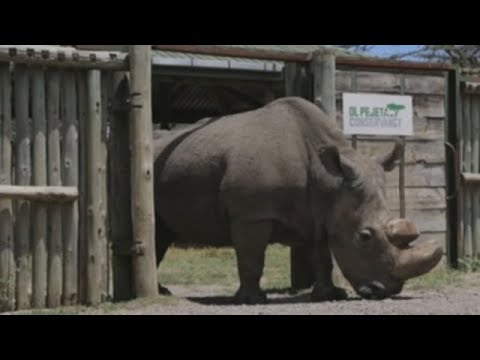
205 301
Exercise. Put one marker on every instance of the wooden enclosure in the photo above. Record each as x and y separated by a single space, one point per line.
76 204
469 148
55 245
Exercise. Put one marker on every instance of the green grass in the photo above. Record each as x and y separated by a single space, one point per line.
219 267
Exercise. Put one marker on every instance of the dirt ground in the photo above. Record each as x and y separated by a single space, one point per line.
209 282
207 301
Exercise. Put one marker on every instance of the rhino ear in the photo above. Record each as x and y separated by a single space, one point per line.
388 162
335 164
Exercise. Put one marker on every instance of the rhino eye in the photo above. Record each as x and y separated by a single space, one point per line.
365 235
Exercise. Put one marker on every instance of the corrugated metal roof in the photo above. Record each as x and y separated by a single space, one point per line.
173 58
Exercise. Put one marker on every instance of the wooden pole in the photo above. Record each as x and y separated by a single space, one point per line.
82 201
144 264
22 177
39 179
55 246
475 120
105 84
328 87
95 225
401 172
467 200
354 87
7 255
120 205
70 178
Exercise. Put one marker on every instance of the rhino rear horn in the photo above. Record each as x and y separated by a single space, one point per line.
401 232
388 162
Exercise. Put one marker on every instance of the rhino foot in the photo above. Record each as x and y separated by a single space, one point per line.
163 291
250 297
331 293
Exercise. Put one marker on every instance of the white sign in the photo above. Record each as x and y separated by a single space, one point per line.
374 114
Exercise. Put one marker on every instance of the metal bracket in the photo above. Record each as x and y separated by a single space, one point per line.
456 164
123 105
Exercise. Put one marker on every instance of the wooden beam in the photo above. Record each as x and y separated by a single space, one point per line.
471 179
143 214
78 60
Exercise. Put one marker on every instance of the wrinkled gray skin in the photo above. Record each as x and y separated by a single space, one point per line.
285 174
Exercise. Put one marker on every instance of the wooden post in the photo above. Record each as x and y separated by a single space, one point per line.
291 78
106 79
82 201
7 256
119 200
467 200
324 90
22 177
144 264
95 225
70 178
39 286
475 120
401 172
354 87
55 248
301 273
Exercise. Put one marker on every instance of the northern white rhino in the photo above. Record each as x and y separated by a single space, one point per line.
285 174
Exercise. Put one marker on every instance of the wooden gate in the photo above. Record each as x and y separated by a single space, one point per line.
53 171
469 146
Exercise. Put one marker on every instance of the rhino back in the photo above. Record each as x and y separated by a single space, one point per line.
250 166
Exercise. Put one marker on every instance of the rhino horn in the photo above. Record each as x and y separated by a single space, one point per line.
401 232
388 161
417 261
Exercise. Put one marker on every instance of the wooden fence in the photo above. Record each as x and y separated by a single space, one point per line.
469 246
54 247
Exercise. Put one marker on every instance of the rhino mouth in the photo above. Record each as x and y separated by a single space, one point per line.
377 291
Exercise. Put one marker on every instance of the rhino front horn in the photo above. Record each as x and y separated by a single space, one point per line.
401 232
417 261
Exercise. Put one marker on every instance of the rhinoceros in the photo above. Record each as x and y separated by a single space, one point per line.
286 174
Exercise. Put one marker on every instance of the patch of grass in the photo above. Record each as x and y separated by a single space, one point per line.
219 267
436 279
213 266
470 264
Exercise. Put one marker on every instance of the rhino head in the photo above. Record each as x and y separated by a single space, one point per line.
371 248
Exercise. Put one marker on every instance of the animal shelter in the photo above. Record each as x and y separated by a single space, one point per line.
70 230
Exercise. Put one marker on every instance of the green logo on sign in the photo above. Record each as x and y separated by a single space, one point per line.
395 108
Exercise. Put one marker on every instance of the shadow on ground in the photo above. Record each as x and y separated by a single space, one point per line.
276 297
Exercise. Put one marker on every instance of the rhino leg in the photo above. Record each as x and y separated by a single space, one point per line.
163 239
324 289
250 240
